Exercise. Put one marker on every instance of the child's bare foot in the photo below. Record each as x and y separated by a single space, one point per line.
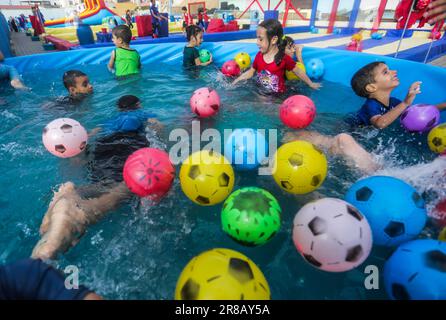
17 84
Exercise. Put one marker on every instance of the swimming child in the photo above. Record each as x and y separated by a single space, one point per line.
191 56
271 62
124 60
375 81
72 208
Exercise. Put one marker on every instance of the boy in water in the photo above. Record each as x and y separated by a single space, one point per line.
123 60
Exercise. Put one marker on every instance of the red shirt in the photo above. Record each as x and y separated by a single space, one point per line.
187 18
200 16
270 75
206 17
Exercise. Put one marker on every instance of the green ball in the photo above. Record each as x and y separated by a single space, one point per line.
251 216
205 55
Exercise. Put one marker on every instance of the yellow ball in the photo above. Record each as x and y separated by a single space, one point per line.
442 235
299 167
289 75
357 37
222 274
437 138
243 60
206 177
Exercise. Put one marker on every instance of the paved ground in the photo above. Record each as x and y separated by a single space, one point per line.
23 46
441 62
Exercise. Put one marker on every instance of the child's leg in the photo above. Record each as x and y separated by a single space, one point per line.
343 144
69 215
11 73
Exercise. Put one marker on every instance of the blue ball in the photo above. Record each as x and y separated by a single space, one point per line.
314 30
376 36
246 148
394 209
417 271
315 68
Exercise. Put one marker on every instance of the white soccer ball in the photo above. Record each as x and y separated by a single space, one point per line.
64 137
332 235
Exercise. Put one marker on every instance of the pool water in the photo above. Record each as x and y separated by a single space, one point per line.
139 250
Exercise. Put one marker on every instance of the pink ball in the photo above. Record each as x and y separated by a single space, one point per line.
149 172
230 69
64 137
205 102
297 112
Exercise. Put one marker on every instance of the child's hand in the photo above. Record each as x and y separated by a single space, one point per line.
436 11
315 86
111 70
414 89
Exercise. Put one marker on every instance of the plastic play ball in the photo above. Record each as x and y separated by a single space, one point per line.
376 36
243 60
314 30
297 112
251 216
230 69
420 117
337 31
394 209
149 172
222 274
332 235
442 235
205 55
416 271
315 68
290 75
205 102
246 148
299 167
206 177
436 139
64 137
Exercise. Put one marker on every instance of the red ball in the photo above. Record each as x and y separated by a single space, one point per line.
230 69
297 112
440 213
149 172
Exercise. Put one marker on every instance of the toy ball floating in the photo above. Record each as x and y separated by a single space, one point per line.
420 117
297 112
205 102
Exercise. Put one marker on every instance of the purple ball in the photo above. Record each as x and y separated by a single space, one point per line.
420 117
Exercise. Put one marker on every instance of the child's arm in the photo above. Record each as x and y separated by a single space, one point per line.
2 57
441 106
301 74
299 53
247 75
155 124
387 119
94 132
111 63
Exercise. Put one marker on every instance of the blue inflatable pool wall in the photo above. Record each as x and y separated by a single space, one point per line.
339 65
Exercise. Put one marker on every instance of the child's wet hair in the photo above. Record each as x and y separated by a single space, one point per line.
123 32
192 31
128 102
363 77
69 78
274 28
